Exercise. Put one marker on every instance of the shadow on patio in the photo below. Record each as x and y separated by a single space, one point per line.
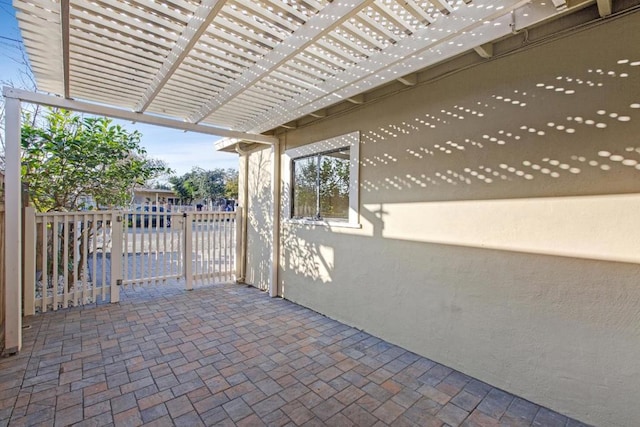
229 355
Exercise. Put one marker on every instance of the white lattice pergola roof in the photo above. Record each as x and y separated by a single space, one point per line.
249 65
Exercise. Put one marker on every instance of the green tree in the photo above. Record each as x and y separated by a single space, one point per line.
183 187
68 159
231 184
208 185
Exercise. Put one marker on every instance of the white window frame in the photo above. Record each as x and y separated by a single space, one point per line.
350 140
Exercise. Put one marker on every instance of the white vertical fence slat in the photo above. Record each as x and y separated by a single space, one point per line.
196 247
188 246
76 258
66 222
149 238
156 258
45 265
163 264
89 225
134 244
54 264
116 255
29 251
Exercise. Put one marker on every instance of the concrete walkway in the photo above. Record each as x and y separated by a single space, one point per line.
229 355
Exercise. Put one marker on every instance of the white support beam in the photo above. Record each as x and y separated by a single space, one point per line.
197 25
560 4
314 29
12 229
485 50
100 110
320 114
409 79
275 229
443 6
416 9
605 7
357 99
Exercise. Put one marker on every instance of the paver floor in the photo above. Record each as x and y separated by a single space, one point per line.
230 355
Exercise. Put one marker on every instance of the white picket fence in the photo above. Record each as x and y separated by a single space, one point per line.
78 258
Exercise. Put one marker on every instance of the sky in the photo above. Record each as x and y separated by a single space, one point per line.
180 150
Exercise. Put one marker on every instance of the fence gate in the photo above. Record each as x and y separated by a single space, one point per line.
78 258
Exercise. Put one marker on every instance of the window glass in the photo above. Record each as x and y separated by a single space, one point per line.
305 192
321 185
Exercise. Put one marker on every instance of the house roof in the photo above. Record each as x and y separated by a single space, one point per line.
153 190
251 65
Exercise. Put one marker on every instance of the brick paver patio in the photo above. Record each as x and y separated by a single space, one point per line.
229 355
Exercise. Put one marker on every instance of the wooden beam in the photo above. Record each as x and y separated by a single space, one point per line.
197 25
320 114
100 110
357 99
560 4
409 79
274 265
12 229
412 7
605 7
64 23
485 50
442 6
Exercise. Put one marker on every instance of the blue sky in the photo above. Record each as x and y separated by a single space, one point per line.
179 149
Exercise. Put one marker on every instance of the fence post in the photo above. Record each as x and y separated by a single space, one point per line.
13 229
116 255
188 247
29 262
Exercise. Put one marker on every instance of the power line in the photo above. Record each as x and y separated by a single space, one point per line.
10 39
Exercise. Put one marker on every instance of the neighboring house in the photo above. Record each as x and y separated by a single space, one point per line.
142 196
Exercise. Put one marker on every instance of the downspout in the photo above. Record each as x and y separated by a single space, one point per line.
242 264
275 212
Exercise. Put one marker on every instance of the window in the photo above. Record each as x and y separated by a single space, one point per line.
322 181
321 186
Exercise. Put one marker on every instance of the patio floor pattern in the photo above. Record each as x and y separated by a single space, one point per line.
230 355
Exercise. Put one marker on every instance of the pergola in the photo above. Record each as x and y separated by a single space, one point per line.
238 69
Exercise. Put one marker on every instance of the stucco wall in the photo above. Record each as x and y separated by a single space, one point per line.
499 224
259 219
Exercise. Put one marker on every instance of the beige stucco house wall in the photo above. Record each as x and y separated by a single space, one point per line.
255 178
499 230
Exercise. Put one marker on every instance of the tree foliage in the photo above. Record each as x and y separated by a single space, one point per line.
69 160
206 185
231 184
